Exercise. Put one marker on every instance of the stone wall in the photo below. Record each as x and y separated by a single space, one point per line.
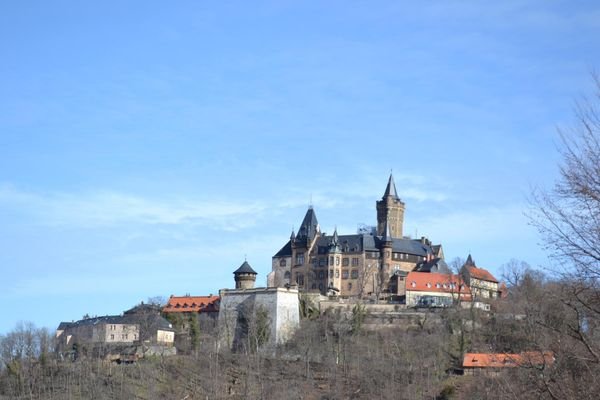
249 316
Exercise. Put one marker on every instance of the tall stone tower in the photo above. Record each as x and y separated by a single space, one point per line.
390 211
244 276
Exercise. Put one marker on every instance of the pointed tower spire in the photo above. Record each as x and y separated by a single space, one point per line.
387 235
390 211
335 237
293 235
470 261
390 190
309 227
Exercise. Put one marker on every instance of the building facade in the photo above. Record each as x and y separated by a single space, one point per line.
368 263
139 325
256 318
483 284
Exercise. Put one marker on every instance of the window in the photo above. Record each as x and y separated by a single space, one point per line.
331 273
354 274
287 275
322 262
349 285
345 261
413 284
300 279
337 273
331 260
282 262
355 261
321 287
337 261
299 258
428 284
112 336
437 285
345 274
313 261
321 274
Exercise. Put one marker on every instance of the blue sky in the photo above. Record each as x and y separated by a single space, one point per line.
147 147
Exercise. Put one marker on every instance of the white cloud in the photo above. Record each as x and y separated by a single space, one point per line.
107 208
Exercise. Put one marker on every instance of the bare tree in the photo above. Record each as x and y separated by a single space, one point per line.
568 217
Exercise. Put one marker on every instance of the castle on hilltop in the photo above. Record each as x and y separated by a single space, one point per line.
372 262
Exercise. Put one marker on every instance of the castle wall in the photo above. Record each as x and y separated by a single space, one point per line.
242 312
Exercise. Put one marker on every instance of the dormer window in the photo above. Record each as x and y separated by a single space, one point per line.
437 285
413 284
428 284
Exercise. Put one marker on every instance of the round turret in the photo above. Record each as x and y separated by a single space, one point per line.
244 276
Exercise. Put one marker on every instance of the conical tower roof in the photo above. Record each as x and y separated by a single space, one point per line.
390 190
470 261
245 268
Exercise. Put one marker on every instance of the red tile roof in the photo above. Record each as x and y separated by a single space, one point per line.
480 273
503 360
192 304
437 282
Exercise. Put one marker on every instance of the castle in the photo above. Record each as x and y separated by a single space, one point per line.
370 263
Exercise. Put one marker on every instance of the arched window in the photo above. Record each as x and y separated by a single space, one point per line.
282 262
287 275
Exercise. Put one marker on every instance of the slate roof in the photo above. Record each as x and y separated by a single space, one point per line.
285 251
309 227
107 319
245 268
390 189
131 317
198 304
363 242
428 266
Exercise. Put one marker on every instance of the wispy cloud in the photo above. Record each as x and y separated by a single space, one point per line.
107 208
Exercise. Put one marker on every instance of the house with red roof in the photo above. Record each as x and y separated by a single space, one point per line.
205 309
492 363
192 304
435 289
483 284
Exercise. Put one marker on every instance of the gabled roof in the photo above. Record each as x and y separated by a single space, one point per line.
245 268
504 360
480 273
198 304
437 282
